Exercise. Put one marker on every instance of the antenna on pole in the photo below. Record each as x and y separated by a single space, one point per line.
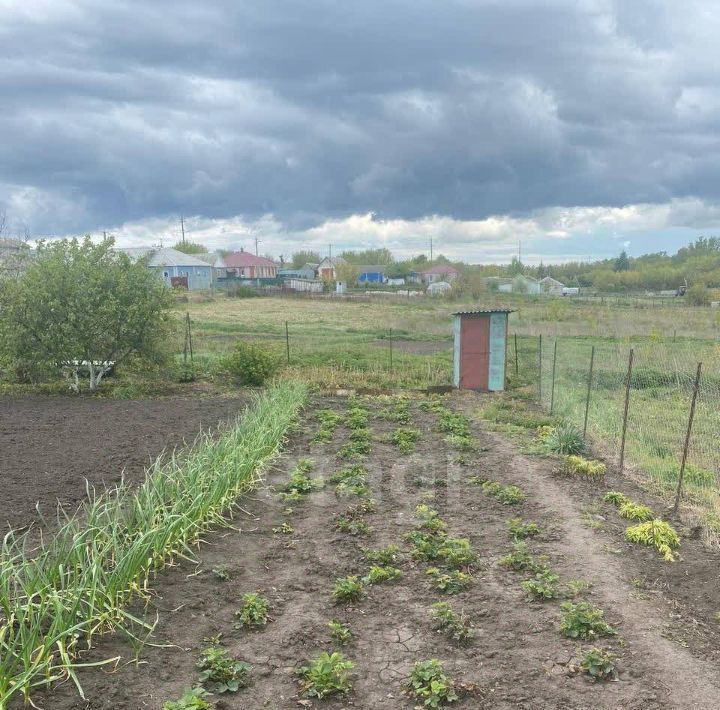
182 227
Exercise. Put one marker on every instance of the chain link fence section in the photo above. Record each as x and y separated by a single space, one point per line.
667 437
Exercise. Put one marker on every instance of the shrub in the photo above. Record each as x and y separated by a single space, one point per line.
326 675
599 664
348 589
577 465
632 511
220 673
191 700
583 621
564 438
658 534
429 684
251 363
456 626
254 610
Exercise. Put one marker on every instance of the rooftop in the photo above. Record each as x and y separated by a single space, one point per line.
441 269
244 258
166 256
484 311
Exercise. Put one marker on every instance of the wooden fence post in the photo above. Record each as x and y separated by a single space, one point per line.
287 341
517 369
391 350
627 405
540 369
691 417
589 388
552 390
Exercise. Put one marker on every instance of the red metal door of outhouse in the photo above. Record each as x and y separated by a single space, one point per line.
474 352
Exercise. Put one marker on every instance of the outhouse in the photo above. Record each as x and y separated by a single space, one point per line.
480 349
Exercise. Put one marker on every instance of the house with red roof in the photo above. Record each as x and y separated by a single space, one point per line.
244 265
441 272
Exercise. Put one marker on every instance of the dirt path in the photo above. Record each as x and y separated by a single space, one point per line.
518 659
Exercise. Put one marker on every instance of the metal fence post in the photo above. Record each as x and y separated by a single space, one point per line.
691 417
287 341
552 389
627 405
517 369
540 369
589 388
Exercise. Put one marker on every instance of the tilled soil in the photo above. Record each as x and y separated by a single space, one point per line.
50 445
667 647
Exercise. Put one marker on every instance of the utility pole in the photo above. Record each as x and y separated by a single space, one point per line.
257 241
182 227
330 252
431 249
519 252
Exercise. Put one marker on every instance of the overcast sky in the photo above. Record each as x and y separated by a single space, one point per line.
575 126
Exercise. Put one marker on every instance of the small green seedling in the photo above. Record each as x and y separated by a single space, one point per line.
544 585
221 572
599 664
191 700
379 575
405 439
340 632
456 626
326 675
449 582
284 529
352 527
220 672
254 610
429 685
657 534
583 621
520 530
348 589
521 559
383 556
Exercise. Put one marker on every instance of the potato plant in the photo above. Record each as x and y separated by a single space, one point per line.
452 582
405 439
351 480
520 530
544 585
380 574
521 559
325 675
194 699
455 625
220 672
429 685
384 556
254 610
583 621
340 632
352 526
599 664
348 589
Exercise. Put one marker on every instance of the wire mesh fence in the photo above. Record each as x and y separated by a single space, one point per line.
653 406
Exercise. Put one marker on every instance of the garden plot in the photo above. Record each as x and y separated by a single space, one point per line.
429 561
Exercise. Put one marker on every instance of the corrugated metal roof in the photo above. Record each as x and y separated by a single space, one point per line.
240 259
166 256
484 311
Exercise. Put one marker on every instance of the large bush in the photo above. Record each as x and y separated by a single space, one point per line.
82 308
251 363
698 295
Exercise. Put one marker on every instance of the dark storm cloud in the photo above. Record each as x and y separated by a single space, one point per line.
310 110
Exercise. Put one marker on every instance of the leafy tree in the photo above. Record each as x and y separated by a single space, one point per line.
190 248
622 263
300 258
516 267
698 295
381 257
83 308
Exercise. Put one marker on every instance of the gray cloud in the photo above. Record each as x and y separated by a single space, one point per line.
312 110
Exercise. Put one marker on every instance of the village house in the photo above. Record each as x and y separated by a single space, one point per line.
371 274
552 286
327 268
244 265
441 272
177 269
